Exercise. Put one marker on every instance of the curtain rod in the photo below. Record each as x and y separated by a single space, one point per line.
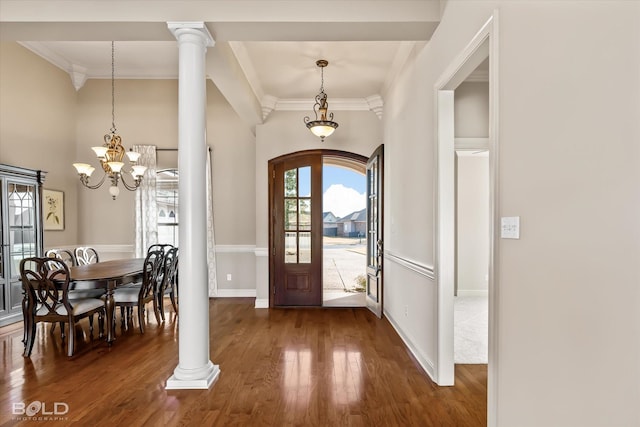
174 149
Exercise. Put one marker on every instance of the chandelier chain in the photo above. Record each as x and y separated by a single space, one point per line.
113 88
321 79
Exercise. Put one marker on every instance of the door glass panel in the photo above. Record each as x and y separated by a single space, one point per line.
21 216
373 216
304 182
291 183
305 248
290 214
297 215
290 248
305 214
2 242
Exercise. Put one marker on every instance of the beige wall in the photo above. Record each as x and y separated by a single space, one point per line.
37 127
567 335
233 146
47 125
146 112
570 166
471 110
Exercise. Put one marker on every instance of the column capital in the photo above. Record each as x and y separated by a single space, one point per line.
177 28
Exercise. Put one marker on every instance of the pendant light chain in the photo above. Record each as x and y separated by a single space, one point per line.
322 79
113 89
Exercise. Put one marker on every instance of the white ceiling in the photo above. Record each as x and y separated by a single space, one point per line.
265 51
285 70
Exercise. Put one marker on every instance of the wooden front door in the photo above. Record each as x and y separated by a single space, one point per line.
375 235
296 209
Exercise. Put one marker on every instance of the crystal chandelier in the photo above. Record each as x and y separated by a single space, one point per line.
111 154
324 125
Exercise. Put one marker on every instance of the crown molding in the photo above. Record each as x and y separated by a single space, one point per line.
79 74
373 103
376 104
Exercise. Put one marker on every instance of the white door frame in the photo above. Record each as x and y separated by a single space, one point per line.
484 44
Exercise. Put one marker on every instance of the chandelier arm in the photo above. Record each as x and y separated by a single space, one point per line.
84 179
129 187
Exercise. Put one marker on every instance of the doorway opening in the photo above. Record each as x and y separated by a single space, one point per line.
344 237
320 229
471 293
483 46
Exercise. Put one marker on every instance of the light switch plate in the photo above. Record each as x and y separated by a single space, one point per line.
510 227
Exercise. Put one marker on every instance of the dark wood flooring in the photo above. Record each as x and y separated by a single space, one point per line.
279 367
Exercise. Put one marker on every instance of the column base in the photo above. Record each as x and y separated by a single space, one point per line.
202 380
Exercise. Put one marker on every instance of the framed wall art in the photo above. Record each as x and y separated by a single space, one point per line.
53 210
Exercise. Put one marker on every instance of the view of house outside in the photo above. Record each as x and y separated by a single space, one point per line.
344 241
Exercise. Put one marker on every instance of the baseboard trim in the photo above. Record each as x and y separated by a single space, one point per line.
473 293
424 362
262 303
235 293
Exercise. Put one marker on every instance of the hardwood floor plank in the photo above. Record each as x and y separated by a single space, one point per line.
279 367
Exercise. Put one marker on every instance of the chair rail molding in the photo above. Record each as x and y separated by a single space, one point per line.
415 266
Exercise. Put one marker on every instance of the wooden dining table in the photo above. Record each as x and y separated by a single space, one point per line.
107 275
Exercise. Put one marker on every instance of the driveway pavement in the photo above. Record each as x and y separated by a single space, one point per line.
344 260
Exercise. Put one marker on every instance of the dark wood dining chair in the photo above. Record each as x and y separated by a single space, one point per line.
168 285
129 297
45 282
164 247
86 255
68 257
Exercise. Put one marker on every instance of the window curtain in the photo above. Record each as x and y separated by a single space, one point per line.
211 244
146 205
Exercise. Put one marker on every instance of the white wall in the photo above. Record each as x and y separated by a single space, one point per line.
471 119
568 332
472 224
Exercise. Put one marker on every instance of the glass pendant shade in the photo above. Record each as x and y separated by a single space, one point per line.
101 151
133 156
138 170
321 130
114 191
81 168
115 166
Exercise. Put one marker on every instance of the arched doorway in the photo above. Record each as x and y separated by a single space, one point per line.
298 224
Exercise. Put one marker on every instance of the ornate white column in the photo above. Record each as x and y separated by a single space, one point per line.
194 370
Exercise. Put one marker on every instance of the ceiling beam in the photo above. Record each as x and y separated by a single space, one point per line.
218 11
223 69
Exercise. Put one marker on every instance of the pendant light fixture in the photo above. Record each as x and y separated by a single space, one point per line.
323 125
111 154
